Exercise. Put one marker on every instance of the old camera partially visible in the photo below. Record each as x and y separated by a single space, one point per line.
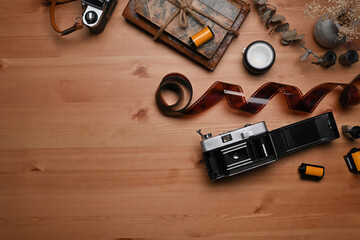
97 13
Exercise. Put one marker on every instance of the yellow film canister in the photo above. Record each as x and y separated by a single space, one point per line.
356 158
352 160
311 172
201 37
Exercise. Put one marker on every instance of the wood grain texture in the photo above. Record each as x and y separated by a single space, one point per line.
85 153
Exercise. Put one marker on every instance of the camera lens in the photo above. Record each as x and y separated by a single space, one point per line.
91 17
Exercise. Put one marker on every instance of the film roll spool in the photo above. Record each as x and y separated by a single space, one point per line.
352 160
311 172
329 59
351 132
356 158
349 58
201 37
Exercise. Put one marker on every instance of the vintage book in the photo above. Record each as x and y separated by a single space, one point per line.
160 11
237 17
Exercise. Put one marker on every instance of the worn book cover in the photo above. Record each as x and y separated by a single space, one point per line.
132 16
160 11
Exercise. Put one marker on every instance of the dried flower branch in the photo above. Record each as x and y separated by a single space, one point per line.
344 13
276 23
308 53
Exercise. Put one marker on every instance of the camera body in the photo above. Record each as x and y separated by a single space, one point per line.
253 146
237 151
97 13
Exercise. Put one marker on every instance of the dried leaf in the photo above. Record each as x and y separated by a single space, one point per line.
277 18
261 10
305 56
270 6
266 15
260 2
271 30
274 20
268 22
273 12
285 42
282 27
300 37
289 35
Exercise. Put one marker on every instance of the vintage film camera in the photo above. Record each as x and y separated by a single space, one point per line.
95 16
253 146
97 13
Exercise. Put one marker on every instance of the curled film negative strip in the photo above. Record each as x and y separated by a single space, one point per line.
181 86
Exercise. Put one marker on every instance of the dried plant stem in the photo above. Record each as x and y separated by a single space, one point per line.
302 45
277 23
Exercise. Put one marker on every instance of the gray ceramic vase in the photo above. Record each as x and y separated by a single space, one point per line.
326 33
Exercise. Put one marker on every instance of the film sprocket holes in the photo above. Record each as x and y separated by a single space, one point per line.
253 146
97 13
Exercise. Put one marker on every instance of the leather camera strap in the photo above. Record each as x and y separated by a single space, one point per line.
179 84
78 22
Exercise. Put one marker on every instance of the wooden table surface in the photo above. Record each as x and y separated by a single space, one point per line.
86 154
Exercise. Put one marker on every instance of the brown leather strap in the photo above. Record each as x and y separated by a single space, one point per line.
180 85
77 25
59 2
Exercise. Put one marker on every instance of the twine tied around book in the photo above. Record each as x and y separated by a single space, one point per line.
185 8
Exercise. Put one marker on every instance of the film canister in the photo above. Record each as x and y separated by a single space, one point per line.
311 172
329 59
351 132
201 37
352 160
349 58
259 56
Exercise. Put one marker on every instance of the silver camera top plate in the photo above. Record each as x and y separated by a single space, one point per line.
234 136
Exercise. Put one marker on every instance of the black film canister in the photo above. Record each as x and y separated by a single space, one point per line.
349 58
351 132
329 59
311 172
